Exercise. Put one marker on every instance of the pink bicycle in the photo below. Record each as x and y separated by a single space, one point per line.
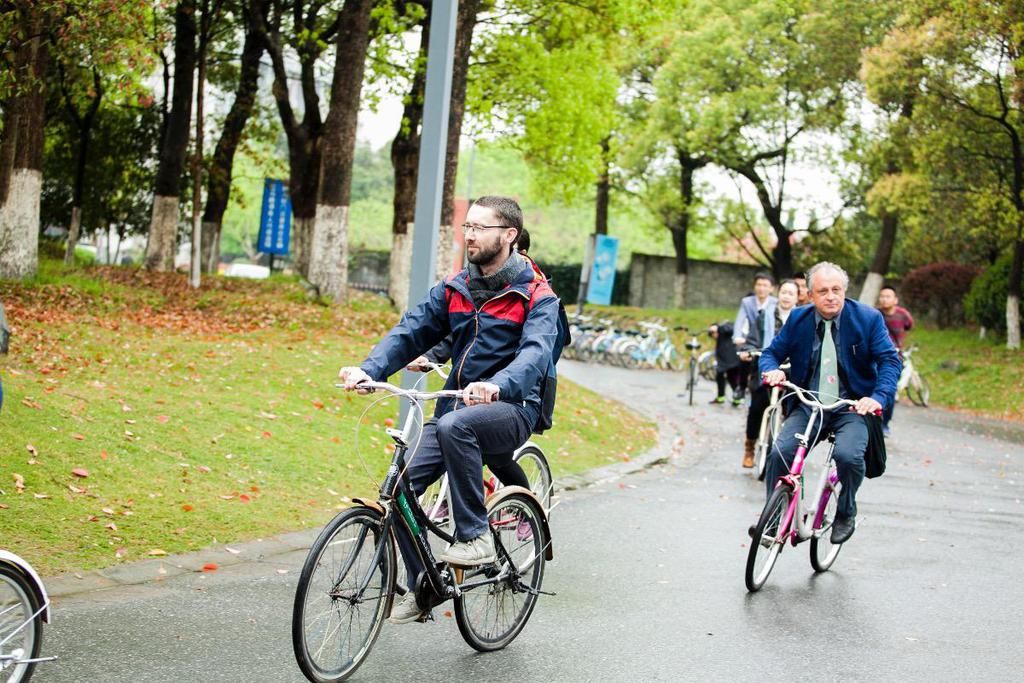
786 516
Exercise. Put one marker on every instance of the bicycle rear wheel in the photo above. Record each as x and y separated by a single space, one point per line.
497 599
535 465
768 540
917 390
18 602
336 618
823 552
763 447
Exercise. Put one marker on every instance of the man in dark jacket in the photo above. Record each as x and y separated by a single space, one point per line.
839 349
503 318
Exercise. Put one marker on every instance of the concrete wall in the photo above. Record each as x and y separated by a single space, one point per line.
711 284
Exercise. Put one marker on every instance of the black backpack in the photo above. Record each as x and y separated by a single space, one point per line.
549 382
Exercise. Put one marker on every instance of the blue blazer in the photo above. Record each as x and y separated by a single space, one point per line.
871 364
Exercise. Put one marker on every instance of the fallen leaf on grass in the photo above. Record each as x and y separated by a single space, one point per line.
157 552
75 489
103 455
120 552
41 495
227 497
162 419
19 482
80 472
32 450
78 437
29 403
108 511
3 506
187 508
204 469
266 435
244 498
111 526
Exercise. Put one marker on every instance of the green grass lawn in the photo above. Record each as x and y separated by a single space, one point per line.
141 417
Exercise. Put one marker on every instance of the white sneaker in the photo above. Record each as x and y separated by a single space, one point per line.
478 551
405 610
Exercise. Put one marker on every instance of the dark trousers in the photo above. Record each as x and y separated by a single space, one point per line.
732 375
851 441
459 443
760 397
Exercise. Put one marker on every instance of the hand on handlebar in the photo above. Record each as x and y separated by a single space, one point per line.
421 364
867 405
351 377
481 393
773 377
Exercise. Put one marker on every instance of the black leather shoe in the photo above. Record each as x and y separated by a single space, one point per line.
842 529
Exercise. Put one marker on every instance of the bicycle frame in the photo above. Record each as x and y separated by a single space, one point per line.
808 516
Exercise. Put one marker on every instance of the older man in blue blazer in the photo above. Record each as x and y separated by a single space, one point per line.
856 361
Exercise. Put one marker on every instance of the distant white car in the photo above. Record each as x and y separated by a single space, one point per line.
250 270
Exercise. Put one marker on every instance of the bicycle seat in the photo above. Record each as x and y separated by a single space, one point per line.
693 344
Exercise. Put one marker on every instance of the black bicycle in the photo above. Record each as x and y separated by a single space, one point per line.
347 583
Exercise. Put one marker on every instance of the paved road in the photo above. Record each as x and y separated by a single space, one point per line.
648 572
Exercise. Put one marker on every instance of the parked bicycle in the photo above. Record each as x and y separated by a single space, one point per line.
347 584
911 381
24 608
790 516
693 346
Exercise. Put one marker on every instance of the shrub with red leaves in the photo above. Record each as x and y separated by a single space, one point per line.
938 290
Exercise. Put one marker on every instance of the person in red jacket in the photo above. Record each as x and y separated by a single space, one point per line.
898 321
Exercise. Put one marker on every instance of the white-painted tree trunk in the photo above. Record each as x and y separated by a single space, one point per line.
163 233
211 247
302 229
399 267
679 293
445 251
74 234
872 286
1013 322
328 252
19 225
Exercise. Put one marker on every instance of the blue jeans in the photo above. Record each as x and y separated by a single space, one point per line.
459 443
851 441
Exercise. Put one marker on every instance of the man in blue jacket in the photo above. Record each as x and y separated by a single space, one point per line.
839 349
503 320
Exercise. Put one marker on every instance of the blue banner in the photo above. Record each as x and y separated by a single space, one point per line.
602 273
275 218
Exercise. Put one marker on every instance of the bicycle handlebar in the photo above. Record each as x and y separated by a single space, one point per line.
430 366
408 393
805 397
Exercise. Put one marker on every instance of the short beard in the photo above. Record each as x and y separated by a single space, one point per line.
485 256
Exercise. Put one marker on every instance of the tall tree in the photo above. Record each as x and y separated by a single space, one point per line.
22 102
965 61
218 180
328 262
163 227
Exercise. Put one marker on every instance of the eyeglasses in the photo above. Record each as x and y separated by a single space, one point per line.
472 227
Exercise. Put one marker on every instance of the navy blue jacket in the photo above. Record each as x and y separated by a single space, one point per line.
870 363
507 341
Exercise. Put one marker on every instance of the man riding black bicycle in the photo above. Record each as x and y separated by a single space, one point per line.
503 318
839 349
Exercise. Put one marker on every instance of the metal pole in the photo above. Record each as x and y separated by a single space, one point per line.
433 147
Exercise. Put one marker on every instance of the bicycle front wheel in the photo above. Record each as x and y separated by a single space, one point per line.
769 538
917 390
497 599
344 593
823 552
538 473
21 634
692 381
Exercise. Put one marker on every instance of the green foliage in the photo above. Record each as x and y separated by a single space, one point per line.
986 301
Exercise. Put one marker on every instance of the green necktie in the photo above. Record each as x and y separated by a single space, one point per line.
828 370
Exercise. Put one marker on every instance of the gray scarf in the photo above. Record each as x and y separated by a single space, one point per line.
484 287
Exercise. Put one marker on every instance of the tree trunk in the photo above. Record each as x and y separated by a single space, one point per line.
405 158
328 257
21 153
163 227
1014 289
218 188
84 125
782 252
880 265
465 24
603 198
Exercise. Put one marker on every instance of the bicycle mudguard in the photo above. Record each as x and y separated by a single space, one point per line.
37 583
372 504
504 491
